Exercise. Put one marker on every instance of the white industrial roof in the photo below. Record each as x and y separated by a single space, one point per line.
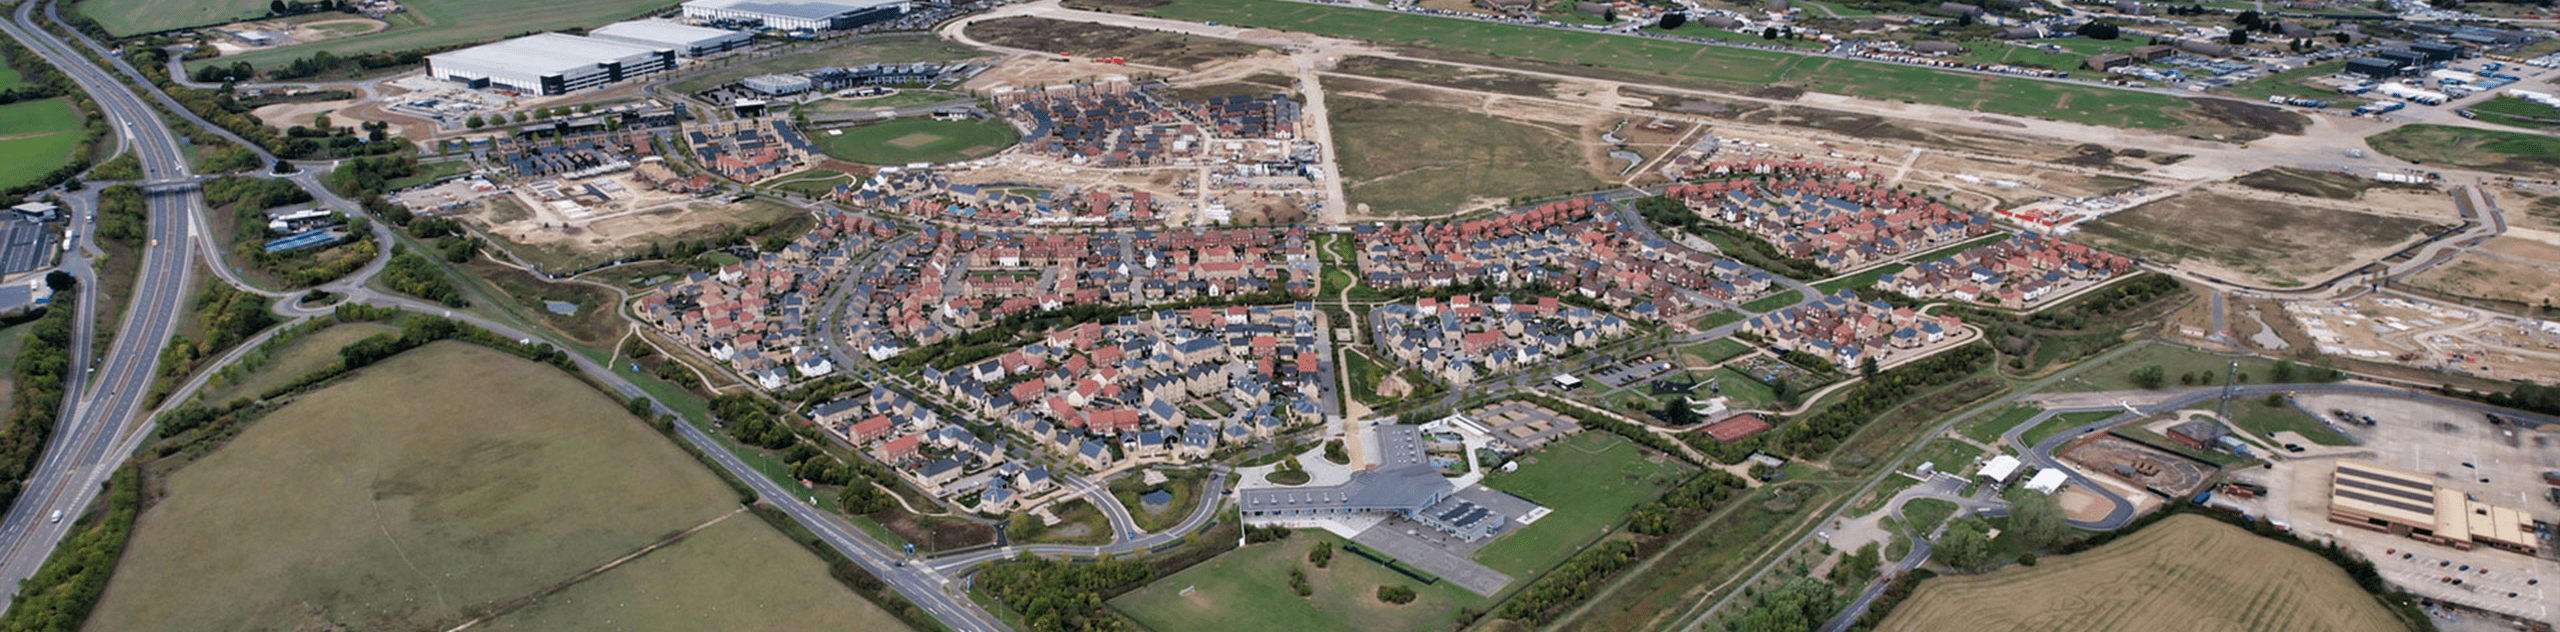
2048 480
804 9
2000 468
545 53
661 31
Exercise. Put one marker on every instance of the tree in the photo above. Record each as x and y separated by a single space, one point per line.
276 7
1867 367
2239 37
1396 593
1672 20
2099 30
475 122
2036 517
60 281
1966 545
2284 371
1769 33
2342 37
1322 555
1800 604
1858 567
2149 377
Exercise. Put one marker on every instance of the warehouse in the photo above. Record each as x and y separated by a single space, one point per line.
549 63
796 15
2407 503
686 39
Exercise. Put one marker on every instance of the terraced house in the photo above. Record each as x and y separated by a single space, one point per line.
1840 225
1847 332
757 316
2017 273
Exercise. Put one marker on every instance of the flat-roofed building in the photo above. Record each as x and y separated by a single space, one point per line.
549 63
687 40
797 15
2402 502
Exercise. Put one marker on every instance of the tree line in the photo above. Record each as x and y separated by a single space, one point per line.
1819 432
38 377
1055 596
60 595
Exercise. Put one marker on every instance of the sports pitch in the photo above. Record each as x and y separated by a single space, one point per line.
917 140
39 136
430 487
1590 480
2186 573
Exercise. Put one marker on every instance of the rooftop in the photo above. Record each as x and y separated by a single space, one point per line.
545 53
804 9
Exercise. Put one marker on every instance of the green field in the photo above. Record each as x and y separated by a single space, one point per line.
851 51
1952 456
2531 155
39 137
9 78
811 183
1988 428
1773 302
863 105
2295 83
2258 419
1717 350
1590 480
917 140
2060 423
1417 159
2173 361
1862 280
740 574
1748 392
2517 112
428 23
1247 590
430 487
1703 66
128 17
296 359
1924 514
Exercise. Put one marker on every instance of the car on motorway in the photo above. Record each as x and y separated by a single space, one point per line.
57 516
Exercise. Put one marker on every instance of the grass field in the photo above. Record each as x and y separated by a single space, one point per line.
1590 480
439 23
813 183
851 51
296 359
127 17
1717 350
1773 302
2060 423
740 574
1248 590
431 486
2321 184
1951 456
2278 242
2259 420
1710 67
2517 112
1089 40
2174 361
903 98
2185 573
2487 150
1988 428
1925 514
917 140
9 78
1424 160
38 136
2294 83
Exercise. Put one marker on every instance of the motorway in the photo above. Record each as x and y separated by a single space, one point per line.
79 455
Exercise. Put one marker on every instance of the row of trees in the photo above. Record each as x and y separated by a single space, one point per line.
1569 583
35 403
1682 506
1817 433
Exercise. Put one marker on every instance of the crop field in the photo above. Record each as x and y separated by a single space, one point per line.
917 140
2487 150
2185 573
851 51
2279 242
296 359
1089 41
438 23
1247 590
740 574
1404 158
1590 480
38 136
127 17
1719 67
430 487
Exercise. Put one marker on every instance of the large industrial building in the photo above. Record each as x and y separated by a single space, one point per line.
2407 503
550 63
687 40
796 15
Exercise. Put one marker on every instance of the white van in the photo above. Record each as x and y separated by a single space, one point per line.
57 516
